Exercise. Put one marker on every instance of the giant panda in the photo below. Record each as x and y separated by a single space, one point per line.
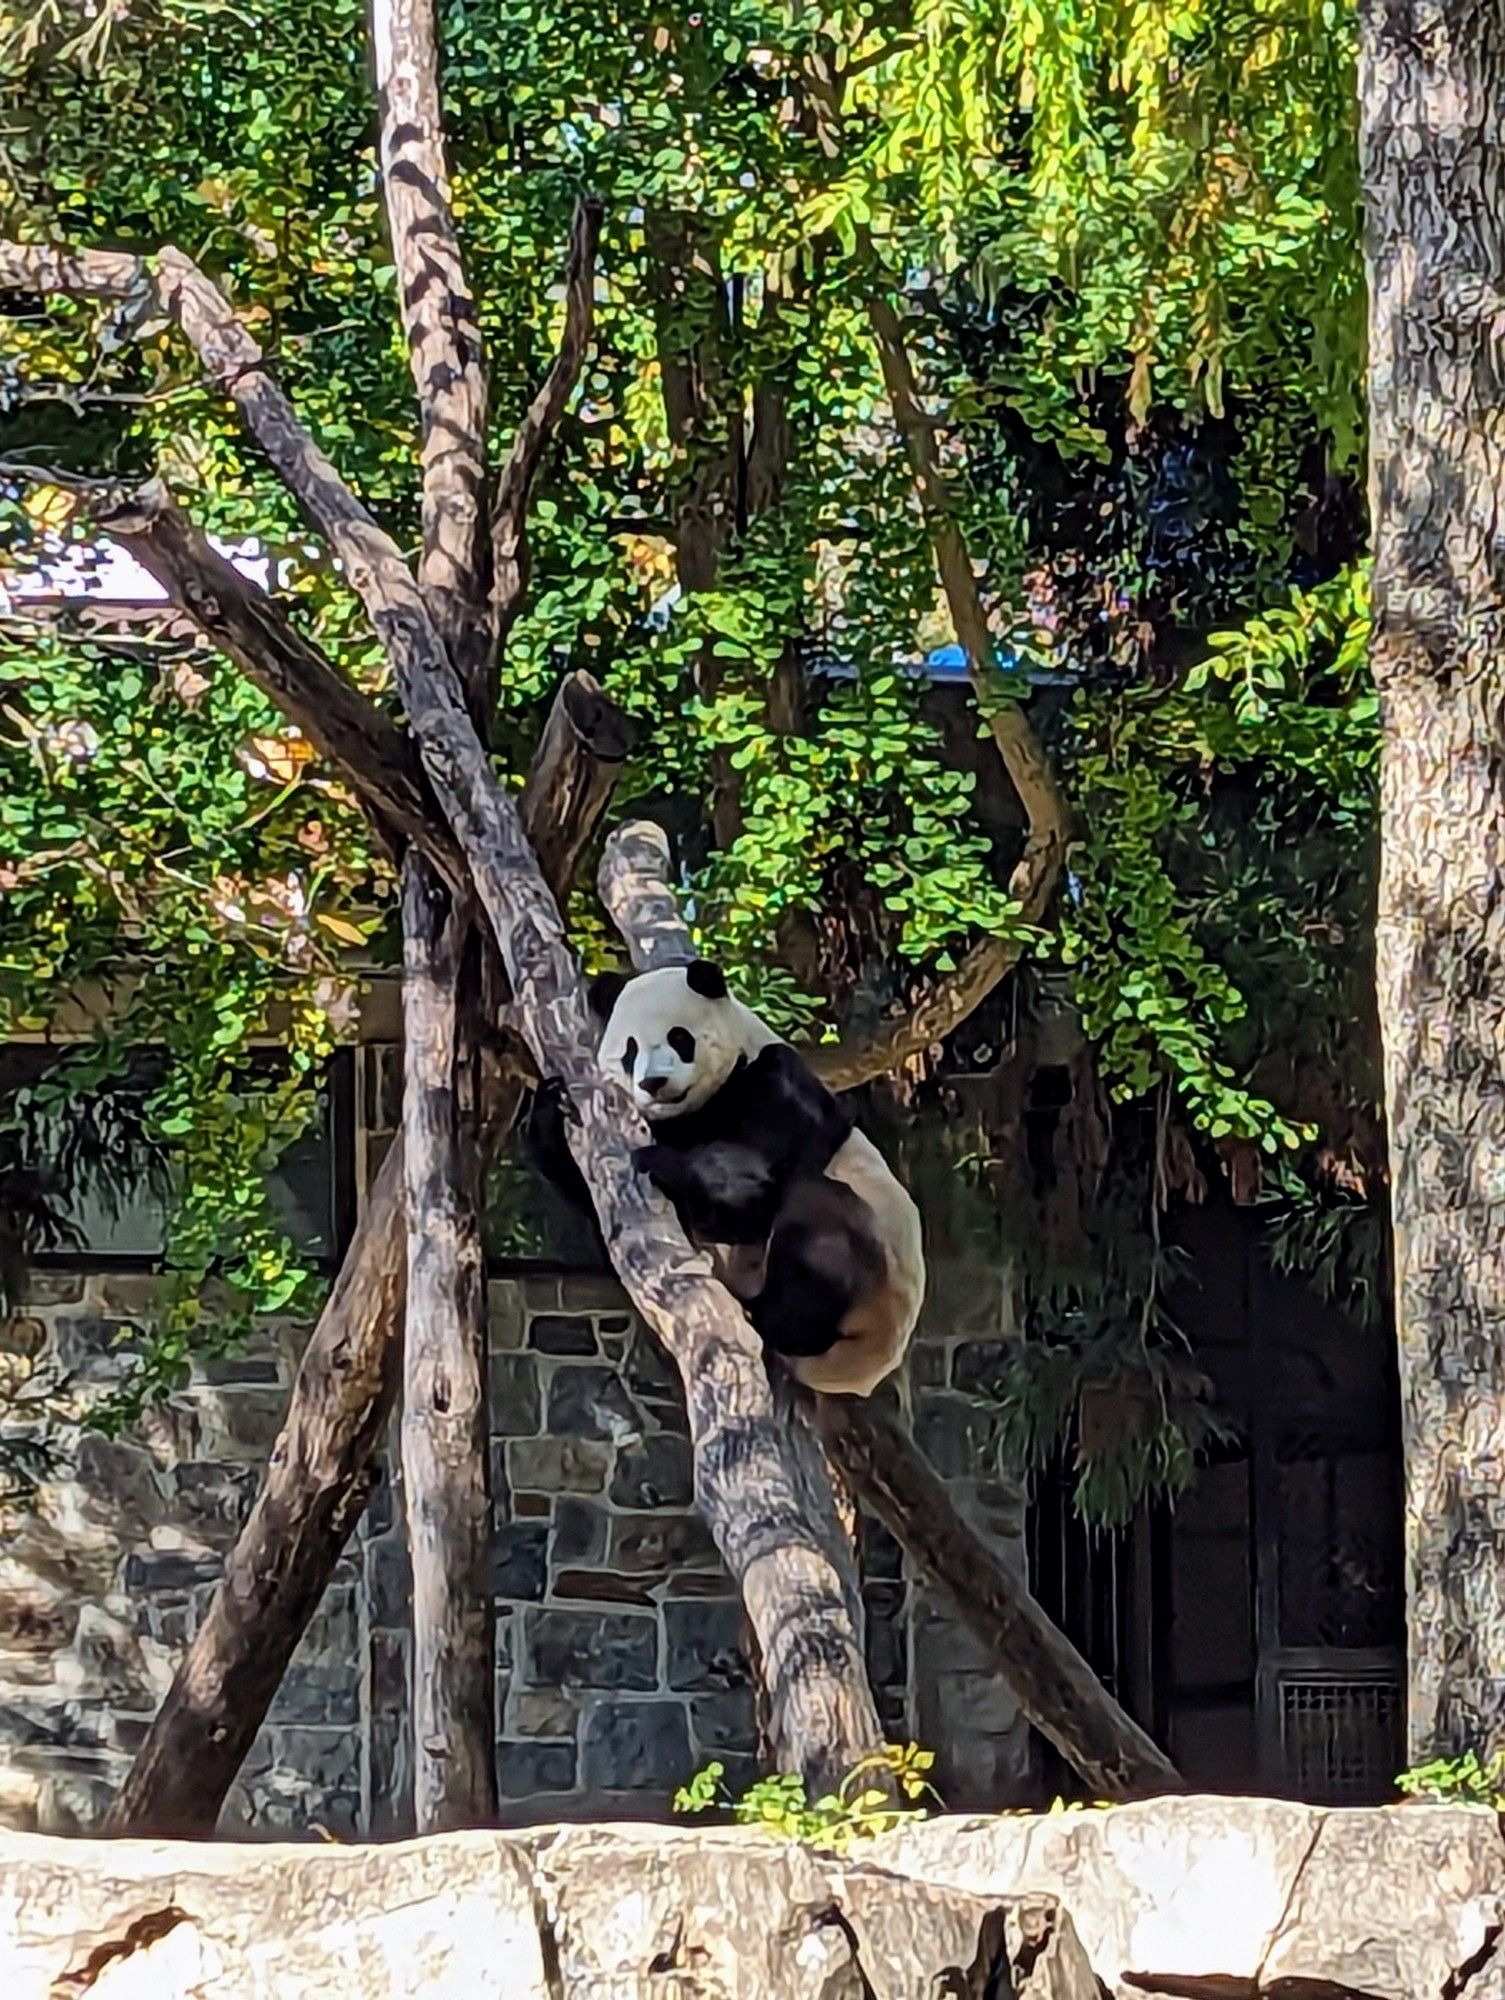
805 1223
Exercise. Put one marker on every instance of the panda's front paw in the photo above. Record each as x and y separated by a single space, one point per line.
665 1168
552 1098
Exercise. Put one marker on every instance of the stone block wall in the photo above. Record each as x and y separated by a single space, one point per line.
106 1576
619 1637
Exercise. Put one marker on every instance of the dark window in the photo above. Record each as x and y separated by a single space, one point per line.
108 1188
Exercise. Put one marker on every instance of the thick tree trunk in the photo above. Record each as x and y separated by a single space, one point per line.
445 1409
319 1473
1433 134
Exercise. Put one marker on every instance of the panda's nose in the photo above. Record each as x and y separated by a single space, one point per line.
654 1084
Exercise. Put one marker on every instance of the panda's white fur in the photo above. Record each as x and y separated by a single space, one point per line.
636 1046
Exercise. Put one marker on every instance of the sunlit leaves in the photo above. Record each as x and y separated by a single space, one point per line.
1095 211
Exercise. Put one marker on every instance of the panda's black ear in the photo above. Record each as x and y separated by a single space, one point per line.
603 993
708 980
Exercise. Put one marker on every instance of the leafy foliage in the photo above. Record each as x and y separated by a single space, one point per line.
874 1798
1125 239
1285 699
1469 1780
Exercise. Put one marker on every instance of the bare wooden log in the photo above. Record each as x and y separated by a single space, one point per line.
444 339
566 793
445 1437
445 1410
372 753
319 1472
317 1481
1056 1687
633 883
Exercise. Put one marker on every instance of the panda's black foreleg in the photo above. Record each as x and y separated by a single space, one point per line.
546 1143
822 1258
799 1126
724 1192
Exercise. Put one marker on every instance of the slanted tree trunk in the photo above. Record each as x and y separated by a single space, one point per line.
1056 1687
1433 141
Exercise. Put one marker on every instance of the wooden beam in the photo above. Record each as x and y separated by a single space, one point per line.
371 753
444 339
446 1408
1057 1689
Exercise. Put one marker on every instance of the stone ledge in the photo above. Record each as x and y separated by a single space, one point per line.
1206 1898
585 1913
1249 1899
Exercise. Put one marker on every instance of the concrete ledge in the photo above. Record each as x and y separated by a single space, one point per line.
586 1913
1204 1898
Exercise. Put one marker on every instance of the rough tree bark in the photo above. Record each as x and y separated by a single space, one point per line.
320 1470
1056 1688
444 1430
446 1427
444 341
445 1452
1432 101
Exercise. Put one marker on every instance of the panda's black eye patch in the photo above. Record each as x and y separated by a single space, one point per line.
682 1042
630 1055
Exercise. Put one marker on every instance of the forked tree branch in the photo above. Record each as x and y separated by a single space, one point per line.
823 1716
509 520
1056 1687
372 754
444 338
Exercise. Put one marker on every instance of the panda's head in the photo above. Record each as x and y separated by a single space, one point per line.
674 1036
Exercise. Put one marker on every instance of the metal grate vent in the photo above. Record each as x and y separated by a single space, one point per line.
1340 1738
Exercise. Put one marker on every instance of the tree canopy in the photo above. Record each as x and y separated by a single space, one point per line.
1124 239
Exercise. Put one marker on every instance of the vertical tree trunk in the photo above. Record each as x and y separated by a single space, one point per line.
1433 122
445 1427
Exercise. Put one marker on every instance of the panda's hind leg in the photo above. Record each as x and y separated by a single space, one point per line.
823 1257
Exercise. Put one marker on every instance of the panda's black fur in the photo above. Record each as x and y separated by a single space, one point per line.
762 1165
